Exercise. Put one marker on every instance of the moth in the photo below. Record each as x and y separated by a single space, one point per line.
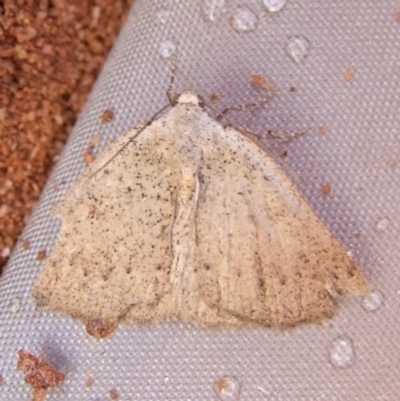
195 222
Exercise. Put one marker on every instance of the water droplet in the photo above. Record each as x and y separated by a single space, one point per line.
341 352
373 301
382 224
213 10
167 48
162 15
244 20
274 6
15 305
227 389
298 48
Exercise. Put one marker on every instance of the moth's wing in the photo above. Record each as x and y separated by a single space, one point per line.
262 255
113 257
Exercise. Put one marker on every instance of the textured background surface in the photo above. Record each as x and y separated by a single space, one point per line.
358 157
51 52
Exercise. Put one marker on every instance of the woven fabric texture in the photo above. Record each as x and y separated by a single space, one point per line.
336 68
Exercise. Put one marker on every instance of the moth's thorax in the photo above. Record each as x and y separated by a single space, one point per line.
189 137
187 182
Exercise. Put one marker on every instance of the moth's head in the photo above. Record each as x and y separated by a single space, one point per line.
189 97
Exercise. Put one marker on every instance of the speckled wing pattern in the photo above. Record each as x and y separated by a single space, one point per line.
192 222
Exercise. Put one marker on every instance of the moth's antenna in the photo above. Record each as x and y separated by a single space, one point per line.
223 114
131 139
170 95
172 101
258 82
270 91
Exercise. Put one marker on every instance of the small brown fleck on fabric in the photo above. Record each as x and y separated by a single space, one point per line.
258 79
41 255
107 116
349 75
114 394
89 382
88 157
214 97
323 129
326 189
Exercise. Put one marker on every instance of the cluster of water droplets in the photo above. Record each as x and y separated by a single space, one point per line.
242 19
341 350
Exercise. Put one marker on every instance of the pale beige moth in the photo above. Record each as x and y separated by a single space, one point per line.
195 222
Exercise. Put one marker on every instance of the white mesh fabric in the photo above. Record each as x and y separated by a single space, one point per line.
358 157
